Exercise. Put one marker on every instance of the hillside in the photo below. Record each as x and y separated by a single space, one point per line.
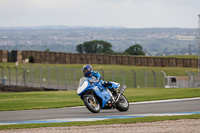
155 41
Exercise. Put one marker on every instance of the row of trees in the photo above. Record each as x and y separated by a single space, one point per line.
103 47
95 47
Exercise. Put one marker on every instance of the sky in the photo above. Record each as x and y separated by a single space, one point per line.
94 13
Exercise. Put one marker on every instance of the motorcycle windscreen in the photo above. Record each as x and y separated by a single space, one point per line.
82 80
82 87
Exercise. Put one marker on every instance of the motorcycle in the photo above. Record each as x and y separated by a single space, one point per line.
97 97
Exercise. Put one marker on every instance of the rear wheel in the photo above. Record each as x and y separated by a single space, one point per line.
123 104
91 103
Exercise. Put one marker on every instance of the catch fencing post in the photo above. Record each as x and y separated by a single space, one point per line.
164 74
65 77
9 75
102 73
145 78
134 78
192 78
48 76
123 77
154 75
40 75
24 76
57 77
113 75
31 75
16 75
189 79
74 78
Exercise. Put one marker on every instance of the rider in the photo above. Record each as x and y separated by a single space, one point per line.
88 72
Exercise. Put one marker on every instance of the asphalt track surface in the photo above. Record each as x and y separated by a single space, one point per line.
151 107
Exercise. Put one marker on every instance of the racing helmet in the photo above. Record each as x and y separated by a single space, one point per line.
87 70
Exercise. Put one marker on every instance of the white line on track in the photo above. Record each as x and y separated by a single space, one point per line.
165 101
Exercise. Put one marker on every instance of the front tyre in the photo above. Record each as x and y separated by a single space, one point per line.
122 104
91 103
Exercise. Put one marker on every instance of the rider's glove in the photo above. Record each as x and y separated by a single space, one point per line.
106 83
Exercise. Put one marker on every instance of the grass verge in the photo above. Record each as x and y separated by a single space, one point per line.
172 71
59 99
102 122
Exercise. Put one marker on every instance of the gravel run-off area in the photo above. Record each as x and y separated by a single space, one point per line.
170 126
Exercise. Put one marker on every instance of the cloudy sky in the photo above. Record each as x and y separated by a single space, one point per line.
126 13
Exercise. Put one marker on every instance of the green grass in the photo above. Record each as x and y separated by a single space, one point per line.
38 100
173 56
177 56
59 99
149 94
102 122
172 71
182 56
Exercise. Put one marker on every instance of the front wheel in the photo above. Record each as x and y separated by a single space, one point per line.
122 104
91 103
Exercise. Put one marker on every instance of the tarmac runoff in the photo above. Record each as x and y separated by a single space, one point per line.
107 117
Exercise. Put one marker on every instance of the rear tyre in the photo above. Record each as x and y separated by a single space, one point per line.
91 103
123 104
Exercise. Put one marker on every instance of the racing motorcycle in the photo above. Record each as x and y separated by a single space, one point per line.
97 97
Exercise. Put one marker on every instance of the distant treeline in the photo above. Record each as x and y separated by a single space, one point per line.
155 41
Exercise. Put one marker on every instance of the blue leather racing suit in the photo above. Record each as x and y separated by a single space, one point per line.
97 75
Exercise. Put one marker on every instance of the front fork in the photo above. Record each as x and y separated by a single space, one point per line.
121 91
111 95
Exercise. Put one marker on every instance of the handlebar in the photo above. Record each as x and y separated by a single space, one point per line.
94 80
